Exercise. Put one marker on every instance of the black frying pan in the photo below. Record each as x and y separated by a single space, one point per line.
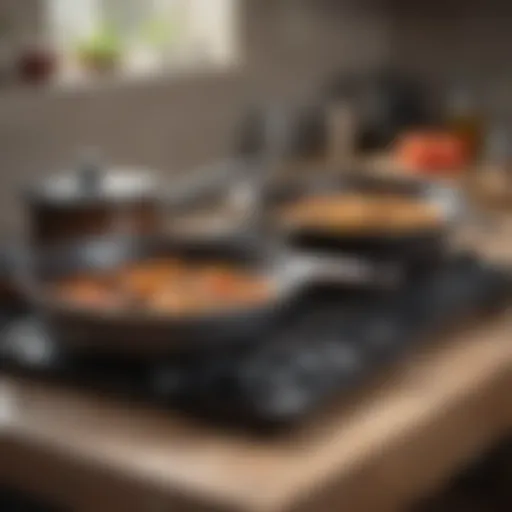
135 331
139 332
417 246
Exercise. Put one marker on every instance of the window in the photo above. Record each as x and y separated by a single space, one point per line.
142 36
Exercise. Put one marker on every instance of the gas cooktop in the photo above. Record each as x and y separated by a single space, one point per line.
330 342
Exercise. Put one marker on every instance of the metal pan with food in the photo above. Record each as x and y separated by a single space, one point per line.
150 297
153 295
388 218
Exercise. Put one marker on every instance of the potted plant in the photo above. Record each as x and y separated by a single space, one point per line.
163 35
102 52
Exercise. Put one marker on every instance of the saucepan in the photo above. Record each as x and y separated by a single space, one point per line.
90 200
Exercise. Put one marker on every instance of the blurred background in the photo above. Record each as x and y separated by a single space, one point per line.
178 82
177 86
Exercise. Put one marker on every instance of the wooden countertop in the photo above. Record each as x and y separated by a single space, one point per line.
389 443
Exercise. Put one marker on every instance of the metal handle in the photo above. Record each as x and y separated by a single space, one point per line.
201 183
305 269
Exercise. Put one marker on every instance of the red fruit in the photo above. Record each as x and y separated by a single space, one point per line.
432 151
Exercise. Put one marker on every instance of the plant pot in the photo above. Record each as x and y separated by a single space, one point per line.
36 65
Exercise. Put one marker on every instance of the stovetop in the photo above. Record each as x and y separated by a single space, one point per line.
332 341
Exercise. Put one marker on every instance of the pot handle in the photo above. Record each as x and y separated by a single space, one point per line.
201 183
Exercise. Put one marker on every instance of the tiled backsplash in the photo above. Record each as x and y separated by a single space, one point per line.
175 124
453 41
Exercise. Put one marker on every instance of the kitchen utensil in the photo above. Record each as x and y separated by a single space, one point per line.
139 332
413 247
92 200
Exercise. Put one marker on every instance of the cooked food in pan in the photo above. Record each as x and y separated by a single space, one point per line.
363 214
168 286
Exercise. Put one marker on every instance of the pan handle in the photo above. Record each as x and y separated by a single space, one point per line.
305 269
201 183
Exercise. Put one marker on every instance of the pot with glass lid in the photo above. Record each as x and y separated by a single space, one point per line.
93 200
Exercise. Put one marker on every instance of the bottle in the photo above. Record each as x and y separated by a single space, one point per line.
465 120
497 182
342 132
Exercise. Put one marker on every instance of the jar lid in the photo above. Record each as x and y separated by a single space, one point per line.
91 182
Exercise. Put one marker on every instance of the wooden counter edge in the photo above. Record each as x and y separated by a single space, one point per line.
478 397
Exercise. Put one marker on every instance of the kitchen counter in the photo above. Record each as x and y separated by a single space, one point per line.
378 449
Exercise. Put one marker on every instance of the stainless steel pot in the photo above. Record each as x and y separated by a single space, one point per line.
91 200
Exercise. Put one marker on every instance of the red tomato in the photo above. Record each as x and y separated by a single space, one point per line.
432 151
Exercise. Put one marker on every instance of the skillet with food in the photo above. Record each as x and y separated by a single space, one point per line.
156 296
381 218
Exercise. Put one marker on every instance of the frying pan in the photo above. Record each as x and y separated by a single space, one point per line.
136 332
416 246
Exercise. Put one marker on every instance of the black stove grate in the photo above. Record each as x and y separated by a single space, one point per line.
330 342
